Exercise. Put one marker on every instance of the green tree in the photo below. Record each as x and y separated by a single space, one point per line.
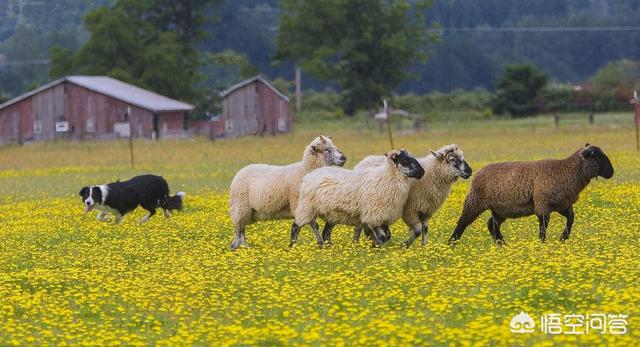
517 90
3 97
619 76
365 46
150 43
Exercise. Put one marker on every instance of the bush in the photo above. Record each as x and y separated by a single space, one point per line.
517 90
327 100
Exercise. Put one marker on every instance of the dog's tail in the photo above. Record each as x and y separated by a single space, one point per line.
173 202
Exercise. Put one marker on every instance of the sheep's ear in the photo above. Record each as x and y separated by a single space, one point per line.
587 145
436 154
83 191
323 139
587 153
392 156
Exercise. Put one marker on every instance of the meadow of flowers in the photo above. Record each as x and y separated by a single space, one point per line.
68 279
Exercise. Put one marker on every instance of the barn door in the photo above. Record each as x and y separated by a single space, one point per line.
156 126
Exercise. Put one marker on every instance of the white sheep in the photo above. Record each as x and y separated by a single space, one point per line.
442 169
264 192
372 198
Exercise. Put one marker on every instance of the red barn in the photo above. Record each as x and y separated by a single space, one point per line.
253 107
91 107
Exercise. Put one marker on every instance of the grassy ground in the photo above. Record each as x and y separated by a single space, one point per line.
67 278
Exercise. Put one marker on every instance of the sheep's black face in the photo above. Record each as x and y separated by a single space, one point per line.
460 166
407 164
605 169
90 195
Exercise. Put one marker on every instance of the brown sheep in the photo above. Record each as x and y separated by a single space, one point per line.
523 188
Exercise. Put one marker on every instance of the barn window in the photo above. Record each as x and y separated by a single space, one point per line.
282 124
121 129
228 125
62 126
91 126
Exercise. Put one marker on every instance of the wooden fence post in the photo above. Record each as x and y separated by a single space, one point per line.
636 104
130 135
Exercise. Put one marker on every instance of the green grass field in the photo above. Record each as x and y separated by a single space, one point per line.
66 278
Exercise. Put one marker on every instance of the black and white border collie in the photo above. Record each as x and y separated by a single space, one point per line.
120 198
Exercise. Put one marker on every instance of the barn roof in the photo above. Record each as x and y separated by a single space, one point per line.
116 89
249 81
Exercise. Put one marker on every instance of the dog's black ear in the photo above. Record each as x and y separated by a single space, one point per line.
83 191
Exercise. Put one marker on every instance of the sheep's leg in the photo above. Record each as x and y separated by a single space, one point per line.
376 232
295 231
238 238
356 233
543 220
243 240
414 232
568 213
368 233
316 232
387 234
424 227
493 223
326 232
469 214
424 230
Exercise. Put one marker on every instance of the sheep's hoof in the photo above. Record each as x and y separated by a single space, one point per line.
452 242
500 242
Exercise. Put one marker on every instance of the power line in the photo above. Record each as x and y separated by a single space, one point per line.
25 62
537 29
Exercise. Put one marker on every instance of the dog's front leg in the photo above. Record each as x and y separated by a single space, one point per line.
102 216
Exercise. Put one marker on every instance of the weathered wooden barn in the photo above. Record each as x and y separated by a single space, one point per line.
253 107
91 107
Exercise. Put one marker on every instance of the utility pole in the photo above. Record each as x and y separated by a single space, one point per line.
386 112
298 89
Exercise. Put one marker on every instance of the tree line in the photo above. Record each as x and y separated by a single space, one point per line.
364 49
